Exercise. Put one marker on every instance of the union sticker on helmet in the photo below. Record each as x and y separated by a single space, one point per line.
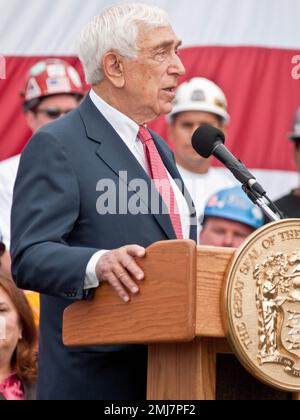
74 76
61 84
198 96
33 90
38 69
56 70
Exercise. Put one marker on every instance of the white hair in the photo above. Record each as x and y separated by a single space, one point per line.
116 29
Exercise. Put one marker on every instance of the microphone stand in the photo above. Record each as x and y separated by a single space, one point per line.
263 202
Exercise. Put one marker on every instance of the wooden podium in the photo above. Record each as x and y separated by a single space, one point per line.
177 313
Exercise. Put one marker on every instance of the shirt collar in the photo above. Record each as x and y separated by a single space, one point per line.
126 128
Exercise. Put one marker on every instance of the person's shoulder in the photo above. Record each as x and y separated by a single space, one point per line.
9 169
10 164
222 177
69 123
285 199
61 132
289 205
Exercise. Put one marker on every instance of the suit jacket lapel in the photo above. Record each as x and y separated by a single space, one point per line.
113 151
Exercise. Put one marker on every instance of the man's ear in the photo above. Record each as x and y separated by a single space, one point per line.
113 67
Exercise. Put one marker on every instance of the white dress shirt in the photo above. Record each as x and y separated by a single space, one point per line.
128 130
203 186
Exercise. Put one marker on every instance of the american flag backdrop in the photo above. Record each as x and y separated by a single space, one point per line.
250 48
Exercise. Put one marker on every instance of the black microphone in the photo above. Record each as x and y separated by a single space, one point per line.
208 140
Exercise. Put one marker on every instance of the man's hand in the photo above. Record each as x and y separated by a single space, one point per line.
120 270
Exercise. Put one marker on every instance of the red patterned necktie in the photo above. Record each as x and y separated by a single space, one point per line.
161 179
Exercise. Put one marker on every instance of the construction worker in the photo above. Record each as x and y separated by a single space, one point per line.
229 218
290 203
5 271
198 101
52 88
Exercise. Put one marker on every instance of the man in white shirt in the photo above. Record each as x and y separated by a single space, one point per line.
52 88
198 101
289 204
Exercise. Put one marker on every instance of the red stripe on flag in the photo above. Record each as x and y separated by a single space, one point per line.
262 97
258 83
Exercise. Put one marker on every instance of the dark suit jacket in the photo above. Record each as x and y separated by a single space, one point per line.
56 230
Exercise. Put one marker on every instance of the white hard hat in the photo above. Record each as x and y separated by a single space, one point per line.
200 94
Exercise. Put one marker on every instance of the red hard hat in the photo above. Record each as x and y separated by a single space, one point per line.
51 77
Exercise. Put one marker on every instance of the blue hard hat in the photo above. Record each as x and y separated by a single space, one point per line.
233 204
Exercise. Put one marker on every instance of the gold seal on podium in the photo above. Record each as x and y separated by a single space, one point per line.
262 304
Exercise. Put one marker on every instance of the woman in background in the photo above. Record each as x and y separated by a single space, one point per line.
18 340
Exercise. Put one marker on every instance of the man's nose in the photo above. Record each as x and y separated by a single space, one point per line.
228 240
194 127
177 66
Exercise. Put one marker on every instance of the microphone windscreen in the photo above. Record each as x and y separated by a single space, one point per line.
205 138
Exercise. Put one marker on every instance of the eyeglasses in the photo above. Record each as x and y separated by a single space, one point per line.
52 113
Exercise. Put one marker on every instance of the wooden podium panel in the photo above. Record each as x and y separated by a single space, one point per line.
184 371
163 311
177 302
187 371
211 270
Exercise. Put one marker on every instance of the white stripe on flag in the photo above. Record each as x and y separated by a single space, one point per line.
52 27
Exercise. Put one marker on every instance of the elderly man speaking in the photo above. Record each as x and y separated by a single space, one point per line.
66 238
